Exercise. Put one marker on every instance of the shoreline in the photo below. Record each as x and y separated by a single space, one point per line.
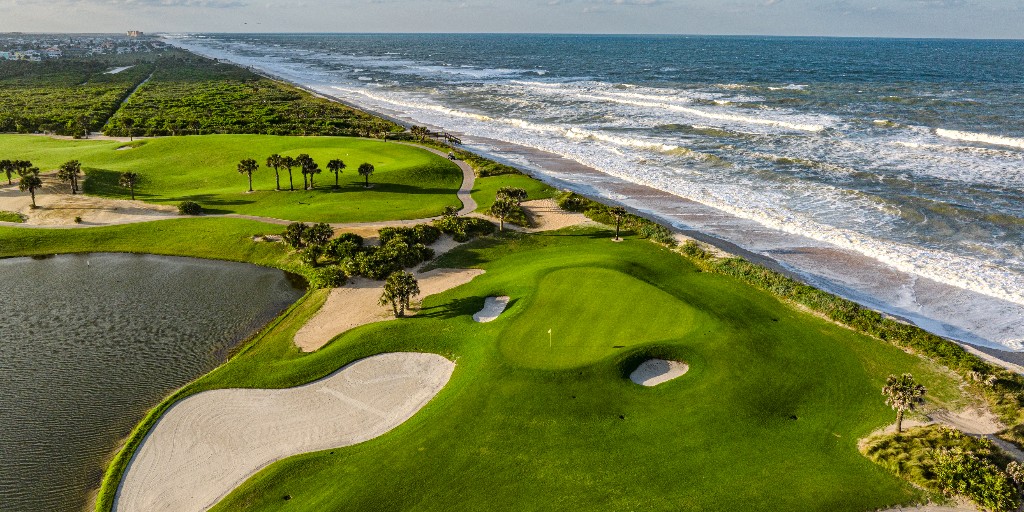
945 310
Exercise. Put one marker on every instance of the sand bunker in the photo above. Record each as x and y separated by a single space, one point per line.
57 207
656 371
493 306
547 216
209 443
356 304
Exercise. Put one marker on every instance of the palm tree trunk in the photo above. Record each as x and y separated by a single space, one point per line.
311 185
291 185
617 223
33 192
367 181
899 421
250 182
305 182
401 307
394 306
336 180
132 188
501 223
277 178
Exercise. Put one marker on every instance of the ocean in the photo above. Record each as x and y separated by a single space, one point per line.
887 171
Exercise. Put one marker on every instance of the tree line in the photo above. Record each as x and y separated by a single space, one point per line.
307 165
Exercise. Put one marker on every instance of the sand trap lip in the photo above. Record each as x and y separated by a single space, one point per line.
493 307
209 443
657 371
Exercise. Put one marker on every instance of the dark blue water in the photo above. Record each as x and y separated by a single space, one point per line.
90 342
908 153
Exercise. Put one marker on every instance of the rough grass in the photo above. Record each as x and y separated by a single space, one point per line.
911 454
408 183
6 216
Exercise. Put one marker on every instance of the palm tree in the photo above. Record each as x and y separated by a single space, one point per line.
289 162
902 394
502 208
365 170
128 180
69 172
247 167
7 167
30 181
618 212
311 168
335 166
399 288
303 161
275 162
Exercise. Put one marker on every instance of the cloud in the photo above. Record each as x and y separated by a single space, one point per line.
218 4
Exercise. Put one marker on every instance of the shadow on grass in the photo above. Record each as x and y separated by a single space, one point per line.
453 308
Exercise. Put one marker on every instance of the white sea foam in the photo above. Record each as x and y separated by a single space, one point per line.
983 138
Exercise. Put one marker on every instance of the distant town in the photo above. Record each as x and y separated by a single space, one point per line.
40 47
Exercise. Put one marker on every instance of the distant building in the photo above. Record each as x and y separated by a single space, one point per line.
134 33
54 53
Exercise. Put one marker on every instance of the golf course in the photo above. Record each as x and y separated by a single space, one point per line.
407 183
509 388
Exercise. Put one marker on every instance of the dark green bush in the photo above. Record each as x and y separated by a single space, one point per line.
966 474
420 234
598 212
329 276
189 208
462 229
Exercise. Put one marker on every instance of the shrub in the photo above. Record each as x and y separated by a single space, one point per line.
964 473
295 235
420 234
311 254
189 208
462 229
317 234
330 276
341 248
78 220
350 237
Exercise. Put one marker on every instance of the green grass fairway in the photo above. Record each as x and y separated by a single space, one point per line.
409 183
767 418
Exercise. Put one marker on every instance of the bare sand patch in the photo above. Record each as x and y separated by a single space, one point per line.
58 207
355 304
493 307
208 444
657 371
547 216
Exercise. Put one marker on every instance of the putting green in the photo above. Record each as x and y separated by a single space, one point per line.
592 313
408 182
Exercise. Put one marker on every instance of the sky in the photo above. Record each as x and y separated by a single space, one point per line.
1002 19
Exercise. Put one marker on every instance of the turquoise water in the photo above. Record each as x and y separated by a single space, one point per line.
88 343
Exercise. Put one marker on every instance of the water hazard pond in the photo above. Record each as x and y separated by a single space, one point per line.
88 343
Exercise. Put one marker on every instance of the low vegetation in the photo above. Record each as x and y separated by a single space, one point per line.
616 216
64 97
950 462
6 216
193 95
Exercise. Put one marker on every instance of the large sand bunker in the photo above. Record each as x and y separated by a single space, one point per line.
657 371
493 307
57 207
356 304
546 215
209 443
